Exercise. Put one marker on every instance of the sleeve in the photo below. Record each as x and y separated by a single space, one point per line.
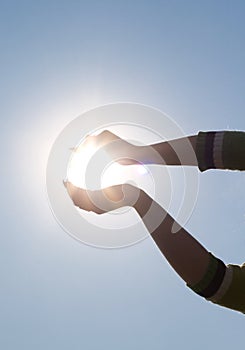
232 291
221 150
223 285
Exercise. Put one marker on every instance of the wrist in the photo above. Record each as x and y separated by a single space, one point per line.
149 154
143 203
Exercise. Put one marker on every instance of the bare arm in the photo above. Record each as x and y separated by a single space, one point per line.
180 151
207 150
184 253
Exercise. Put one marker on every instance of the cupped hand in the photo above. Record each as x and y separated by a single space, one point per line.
103 200
119 150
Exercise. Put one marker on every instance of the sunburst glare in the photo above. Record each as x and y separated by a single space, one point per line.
113 173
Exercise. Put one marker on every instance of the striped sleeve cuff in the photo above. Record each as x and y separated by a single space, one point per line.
212 280
231 293
224 286
209 150
234 150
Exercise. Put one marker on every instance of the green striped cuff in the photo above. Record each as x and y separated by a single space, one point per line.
212 279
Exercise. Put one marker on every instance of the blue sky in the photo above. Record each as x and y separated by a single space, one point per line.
59 59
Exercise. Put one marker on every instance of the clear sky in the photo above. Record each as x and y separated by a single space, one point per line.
59 59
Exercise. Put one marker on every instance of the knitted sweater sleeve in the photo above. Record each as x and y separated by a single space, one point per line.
233 293
223 285
221 150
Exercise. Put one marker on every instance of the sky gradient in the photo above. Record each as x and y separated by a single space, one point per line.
59 59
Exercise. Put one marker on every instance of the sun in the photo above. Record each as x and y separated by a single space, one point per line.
78 163
79 168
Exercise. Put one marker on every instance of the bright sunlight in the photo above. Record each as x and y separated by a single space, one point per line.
82 167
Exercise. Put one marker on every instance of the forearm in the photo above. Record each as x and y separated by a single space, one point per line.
174 152
207 150
184 253
205 274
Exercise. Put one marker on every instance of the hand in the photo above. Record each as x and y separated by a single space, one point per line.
118 149
104 200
